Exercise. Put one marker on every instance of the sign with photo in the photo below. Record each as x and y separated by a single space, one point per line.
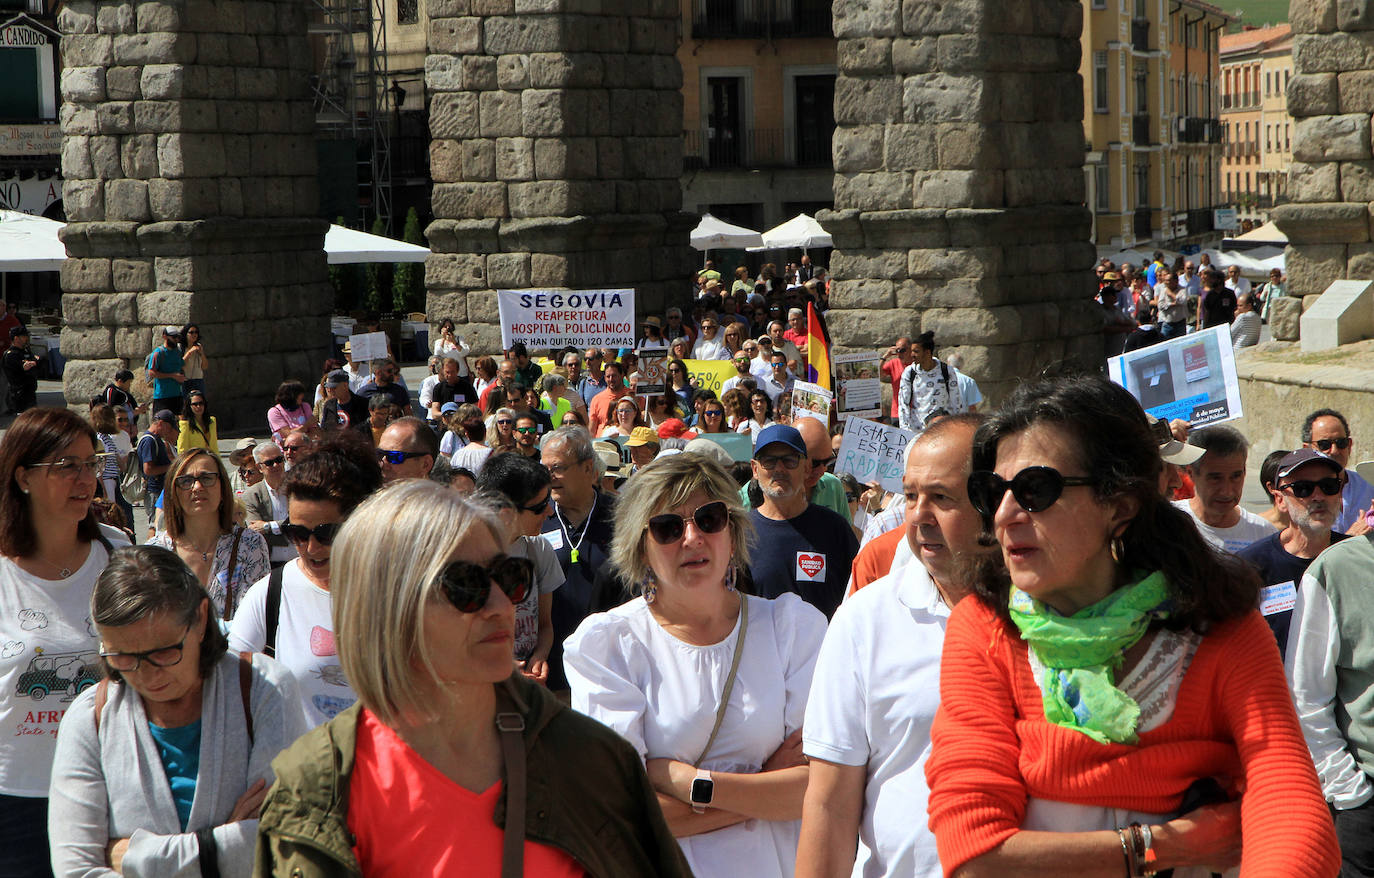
810 401
567 318
367 346
653 370
873 452
1191 377
858 384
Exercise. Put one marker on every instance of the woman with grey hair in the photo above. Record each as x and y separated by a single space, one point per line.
427 774
707 683
557 401
162 767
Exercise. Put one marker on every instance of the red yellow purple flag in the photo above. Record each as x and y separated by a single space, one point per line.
817 348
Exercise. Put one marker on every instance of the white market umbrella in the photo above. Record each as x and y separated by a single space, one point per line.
717 234
345 246
801 231
29 243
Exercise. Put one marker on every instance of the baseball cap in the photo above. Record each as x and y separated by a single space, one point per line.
1296 459
16 331
675 428
448 407
337 378
780 433
1170 449
171 330
641 436
165 415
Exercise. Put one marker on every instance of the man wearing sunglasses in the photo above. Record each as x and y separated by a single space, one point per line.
265 502
1219 479
407 450
1327 431
1307 490
804 548
527 436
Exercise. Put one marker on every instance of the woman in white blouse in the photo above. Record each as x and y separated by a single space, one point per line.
450 345
709 684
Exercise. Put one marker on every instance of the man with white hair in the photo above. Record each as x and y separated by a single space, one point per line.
968 388
265 502
796 328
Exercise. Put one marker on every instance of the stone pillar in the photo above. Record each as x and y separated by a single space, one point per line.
556 152
959 183
1331 178
191 195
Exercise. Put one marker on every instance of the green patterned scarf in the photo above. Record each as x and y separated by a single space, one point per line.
1082 652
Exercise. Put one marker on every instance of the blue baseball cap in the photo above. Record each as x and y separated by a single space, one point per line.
448 407
780 433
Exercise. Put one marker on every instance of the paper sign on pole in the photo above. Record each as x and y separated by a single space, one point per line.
873 452
653 371
810 401
567 318
367 346
858 382
1190 377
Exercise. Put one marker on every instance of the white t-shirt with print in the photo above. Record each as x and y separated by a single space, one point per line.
49 654
548 577
1247 530
305 640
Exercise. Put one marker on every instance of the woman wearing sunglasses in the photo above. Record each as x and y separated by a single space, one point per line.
162 767
1111 697
198 512
712 418
288 614
708 684
501 430
199 429
449 749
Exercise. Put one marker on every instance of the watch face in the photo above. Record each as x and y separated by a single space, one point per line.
702 790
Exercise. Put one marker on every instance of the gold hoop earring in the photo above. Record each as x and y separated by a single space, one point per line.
1118 548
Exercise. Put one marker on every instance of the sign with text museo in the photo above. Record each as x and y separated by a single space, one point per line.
872 452
567 318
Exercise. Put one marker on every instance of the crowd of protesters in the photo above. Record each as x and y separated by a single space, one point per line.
529 620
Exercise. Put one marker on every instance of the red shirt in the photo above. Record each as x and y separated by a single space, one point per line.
410 819
874 560
894 368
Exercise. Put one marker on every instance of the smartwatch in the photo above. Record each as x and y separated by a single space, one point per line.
703 790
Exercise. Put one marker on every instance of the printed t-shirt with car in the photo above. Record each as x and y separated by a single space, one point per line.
809 555
1281 574
548 576
49 654
305 640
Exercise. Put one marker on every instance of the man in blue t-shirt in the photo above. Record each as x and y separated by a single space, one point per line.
155 455
1308 488
165 368
800 547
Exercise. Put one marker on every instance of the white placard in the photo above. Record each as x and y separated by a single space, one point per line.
567 318
858 382
873 452
1191 377
810 401
367 346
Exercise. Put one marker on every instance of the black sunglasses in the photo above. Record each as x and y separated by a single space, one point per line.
467 586
396 458
1325 444
1036 488
540 506
323 533
1330 486
710 518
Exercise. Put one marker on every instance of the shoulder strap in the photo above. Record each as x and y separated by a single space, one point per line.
102 694
729 679
273 610
229 597
511 727
246 690
944 373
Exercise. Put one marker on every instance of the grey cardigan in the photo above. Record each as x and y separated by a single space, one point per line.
116 787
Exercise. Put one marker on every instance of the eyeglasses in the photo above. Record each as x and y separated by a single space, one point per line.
292 449
537 508
71 467
198 403
246 473
163 657
1326 444
713 413
467 586
324 534
823 462
527 430
710 518
272 461
187 482
1330 486
504 422
771 461
1036 488
396 458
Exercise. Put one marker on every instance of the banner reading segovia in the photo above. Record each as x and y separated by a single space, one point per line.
567 318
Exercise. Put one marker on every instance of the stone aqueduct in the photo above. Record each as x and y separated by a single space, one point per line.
191 190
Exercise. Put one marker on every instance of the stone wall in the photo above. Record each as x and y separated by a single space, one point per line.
1331 179
556 153
190 190
959 183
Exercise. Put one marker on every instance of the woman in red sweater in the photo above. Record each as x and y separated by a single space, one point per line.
1110 704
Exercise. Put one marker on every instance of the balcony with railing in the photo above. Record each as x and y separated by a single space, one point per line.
757 148
1140 129
1140 34
1195 129
760 19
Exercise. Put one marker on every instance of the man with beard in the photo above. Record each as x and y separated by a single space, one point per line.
1308 488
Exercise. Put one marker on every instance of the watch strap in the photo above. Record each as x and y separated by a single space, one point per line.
700 807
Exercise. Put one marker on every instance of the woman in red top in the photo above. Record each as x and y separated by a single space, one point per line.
1110 703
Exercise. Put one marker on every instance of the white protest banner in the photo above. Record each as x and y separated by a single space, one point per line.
811 401
653 370
567 318
367 346
1190 377
859 388
872 452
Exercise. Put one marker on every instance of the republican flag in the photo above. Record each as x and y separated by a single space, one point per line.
817 348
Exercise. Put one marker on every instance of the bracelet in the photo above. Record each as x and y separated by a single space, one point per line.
1144 859
1126 852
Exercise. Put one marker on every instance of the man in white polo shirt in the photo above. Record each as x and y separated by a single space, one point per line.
876 685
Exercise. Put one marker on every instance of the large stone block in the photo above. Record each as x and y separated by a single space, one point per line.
155 48
1315 182
87 342
952 189
87 51
508 271
865 56
1312 267
127 200
873 264
1324 223
469 200
1312 17
455 115
499 114
84 379
1332 53
873 328
455 36
1332 138
1000 325
122 83
865 293
887 190
514 158
943 97
1356 183
86 84
867 18
858 149
524 34
118 309
1353 15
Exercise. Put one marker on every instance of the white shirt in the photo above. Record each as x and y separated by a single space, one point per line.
288 551
548 577
710 348
760 368
1238 286
922 391
731 383
873 704
305 641
661 695
775 388
1249 528
456 352
427 392
48 656
471 457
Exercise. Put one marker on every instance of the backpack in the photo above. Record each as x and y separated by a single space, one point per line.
272 611
950 385
131 479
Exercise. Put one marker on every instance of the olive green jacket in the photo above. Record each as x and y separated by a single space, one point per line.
587 795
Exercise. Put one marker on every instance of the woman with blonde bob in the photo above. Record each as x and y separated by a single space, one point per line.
423 776
708 684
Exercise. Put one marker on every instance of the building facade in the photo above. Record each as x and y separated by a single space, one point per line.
1154 139
1256 66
